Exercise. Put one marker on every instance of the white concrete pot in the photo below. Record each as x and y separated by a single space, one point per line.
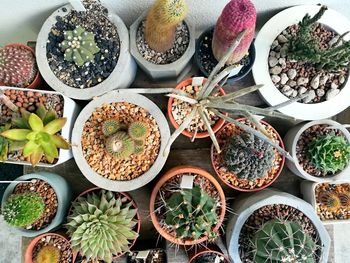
248 203
290 142
99 180
70 111
308 188
155 71
269 92
121 77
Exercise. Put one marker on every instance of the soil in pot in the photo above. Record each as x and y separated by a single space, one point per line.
295 78
209 257
94 20
154 256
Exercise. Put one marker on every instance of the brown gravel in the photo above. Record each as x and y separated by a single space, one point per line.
154 256
93 142
48 194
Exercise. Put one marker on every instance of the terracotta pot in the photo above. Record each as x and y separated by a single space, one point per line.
37 81
199 135
281 144
185 170
29 251
197 251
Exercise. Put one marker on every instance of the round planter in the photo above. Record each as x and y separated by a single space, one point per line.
171 70
210 248
247 204
63 193
29 251
257 188
168 175
269 92
291 140
97 179
188 134
235 75
121 77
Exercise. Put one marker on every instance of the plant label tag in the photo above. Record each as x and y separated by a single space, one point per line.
187 181
143 254
217 259
77 5
197 81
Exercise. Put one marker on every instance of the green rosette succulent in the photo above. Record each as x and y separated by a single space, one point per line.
4 142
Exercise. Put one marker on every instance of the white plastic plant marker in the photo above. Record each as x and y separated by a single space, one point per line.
77 5
234 72
143 254
197 81
187 182
217 259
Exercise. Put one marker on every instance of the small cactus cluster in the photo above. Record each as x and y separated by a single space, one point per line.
329 153
191 213
17 66
161 22
21 210
248 156
238 15
283 241
48 254
79 46
123 140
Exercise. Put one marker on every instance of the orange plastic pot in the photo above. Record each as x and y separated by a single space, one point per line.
168 175
199 135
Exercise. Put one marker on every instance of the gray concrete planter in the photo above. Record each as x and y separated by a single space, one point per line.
99 180
121 77
155 71
64 197
247 204
290 141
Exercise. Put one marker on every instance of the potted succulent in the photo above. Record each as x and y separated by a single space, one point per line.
102 224
169 206
309 57
331 201
162 41
49 247
18 67
211 46
246 162
263 219
321 150
36 203
85 54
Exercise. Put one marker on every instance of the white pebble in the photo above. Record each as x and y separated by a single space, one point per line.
332 93
282 39
292 73
334 86
310 96
276 70
275 78
315 82
302 81
273 61
284 78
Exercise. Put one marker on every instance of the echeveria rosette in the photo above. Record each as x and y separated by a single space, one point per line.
329 153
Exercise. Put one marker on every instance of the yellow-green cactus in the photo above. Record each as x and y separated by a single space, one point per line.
48 254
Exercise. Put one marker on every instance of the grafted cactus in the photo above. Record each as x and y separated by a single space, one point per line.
161 22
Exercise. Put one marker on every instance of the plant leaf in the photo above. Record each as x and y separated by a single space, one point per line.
183 98
60 142
204 117
55 126
35 122
29 148
35 157
41 111
50 149
16 134
50 116
17 145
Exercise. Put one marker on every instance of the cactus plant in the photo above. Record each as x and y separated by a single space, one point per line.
161 22
101 225
79 46
48 254
120 145
248 157
344 198
138 130
283 241
330 153
17 66
329 199
21 210
237 16
110 127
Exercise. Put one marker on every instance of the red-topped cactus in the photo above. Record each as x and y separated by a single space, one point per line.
237 16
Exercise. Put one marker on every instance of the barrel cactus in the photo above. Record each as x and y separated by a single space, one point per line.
48 254
248 156
330 199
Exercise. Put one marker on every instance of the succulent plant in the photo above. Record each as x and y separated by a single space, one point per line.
23 209
283 241
330 199
101 225
48 254
329 153
79 46
161 22
17 66
4 143
237 16
138 130
248 157
110 127
344 198
120 145
191 213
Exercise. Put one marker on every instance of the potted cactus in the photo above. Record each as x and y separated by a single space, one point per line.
84 54
162 41
208 254
102 224
238 15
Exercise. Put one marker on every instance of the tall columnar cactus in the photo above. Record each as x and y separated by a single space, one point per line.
283 241
48 254
238 15
161 22
17 66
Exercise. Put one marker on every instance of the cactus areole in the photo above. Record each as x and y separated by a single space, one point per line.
237 16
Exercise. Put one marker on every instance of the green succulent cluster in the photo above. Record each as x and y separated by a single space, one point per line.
101 225
48 254
191 213
21 210
283 241
329 153
4 143
248 156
